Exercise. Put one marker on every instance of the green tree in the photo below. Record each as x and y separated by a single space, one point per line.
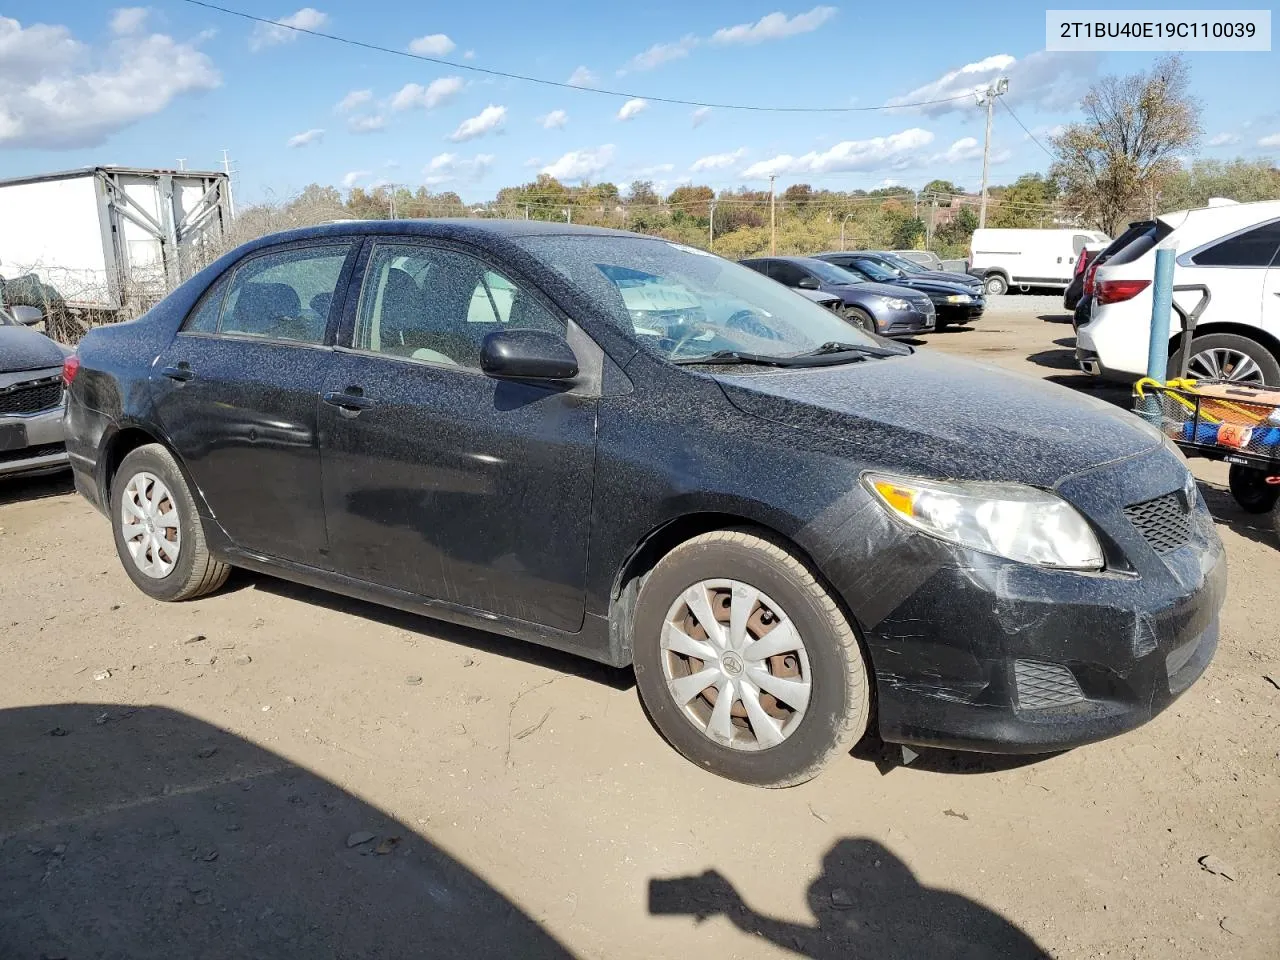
1029 202
1111 165
1241 180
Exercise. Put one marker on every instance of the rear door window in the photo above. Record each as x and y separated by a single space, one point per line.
1252 248
786 273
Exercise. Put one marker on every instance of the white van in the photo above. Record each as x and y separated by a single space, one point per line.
1005 258
1232 249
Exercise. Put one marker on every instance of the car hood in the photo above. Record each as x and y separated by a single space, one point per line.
928 285
23 349
944 417
942 276
871 289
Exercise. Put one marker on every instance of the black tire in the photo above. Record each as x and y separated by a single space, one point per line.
839 701
995 284
860 319
195 571
1267 363
1251 490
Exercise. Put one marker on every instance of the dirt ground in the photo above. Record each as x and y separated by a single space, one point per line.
275 772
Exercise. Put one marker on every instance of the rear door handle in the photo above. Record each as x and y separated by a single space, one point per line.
182 372
349 403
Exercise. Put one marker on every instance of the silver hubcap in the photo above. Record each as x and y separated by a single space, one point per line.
1223 364
150 526
735 664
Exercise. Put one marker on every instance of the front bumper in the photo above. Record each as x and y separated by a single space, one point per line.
905 323
960 312
990 655
44 451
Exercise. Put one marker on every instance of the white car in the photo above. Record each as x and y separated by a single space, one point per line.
1231 248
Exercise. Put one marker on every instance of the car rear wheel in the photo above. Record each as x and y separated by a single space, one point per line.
1228 356
745 662
860 319
158 534
995 285
1251 491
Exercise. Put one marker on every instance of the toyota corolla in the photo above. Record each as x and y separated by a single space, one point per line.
794 532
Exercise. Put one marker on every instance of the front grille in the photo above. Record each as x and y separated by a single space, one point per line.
1163 522
31 453
32 396
1043 685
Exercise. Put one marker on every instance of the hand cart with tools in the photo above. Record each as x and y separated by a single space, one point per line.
1220 420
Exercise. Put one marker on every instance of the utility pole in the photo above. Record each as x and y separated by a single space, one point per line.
988 99
526 211
773 218
843 221
568 214
933 218
231 195
711 227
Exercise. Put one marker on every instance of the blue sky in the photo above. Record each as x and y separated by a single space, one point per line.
87 83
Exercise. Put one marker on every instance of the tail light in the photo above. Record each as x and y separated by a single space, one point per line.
1082 261
1088 278
1117 291
70 367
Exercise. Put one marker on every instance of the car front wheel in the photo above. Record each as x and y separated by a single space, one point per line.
860 319
746 663
158 534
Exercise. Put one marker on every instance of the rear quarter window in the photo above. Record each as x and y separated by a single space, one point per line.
1255 247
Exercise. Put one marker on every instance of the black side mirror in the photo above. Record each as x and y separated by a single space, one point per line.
809 283
527 355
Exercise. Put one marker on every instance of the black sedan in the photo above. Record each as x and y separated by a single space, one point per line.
953 301
636 451
888 310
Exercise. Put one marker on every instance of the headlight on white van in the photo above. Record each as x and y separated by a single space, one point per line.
1009 520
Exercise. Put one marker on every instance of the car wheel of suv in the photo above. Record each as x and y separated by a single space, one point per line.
158 533
995 285
860 319
1251 491
1228 356
745 662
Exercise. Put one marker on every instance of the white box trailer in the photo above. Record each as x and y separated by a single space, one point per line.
110 239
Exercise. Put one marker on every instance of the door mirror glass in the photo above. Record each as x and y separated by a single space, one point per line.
808 283
27 316
527 355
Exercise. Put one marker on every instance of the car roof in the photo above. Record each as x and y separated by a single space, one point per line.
800 261
1206 222
458 228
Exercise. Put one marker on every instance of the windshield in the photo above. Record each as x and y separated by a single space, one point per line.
681 303
903 264
830 273
876 271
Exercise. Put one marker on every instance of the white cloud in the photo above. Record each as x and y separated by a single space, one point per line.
774 26
349 180
632 107
1271 141
1048 80
488 120
580 164
56 92
306 138
1224 139
661 53
128 20
718 161
701 116
555 120
366 124
895 151
582 77
434 94
270 35
469 55
966 148
353 99
432 45
448 167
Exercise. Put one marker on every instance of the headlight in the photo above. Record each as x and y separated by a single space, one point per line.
1007 519
897 303
958 298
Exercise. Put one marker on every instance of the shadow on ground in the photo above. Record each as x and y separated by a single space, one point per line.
866 903
17 489
1225 510
142 832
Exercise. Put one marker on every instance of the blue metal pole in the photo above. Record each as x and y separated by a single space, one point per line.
1161 311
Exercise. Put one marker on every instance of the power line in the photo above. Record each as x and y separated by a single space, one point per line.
557 83
1027 132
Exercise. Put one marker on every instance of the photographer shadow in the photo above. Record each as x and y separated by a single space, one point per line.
867 903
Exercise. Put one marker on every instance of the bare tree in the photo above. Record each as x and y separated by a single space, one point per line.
1110 166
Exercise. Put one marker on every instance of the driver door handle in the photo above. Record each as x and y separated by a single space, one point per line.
349 404
182 372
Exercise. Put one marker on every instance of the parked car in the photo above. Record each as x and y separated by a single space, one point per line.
952 302
1075 289
1083 306
925 258
1026 258
1234 251
31 396
774 518
891 311
902 268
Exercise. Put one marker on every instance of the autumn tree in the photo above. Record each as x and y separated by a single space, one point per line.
1241 180
1111 164
1028 202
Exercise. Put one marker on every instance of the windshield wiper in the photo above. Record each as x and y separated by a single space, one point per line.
835 347
734 357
